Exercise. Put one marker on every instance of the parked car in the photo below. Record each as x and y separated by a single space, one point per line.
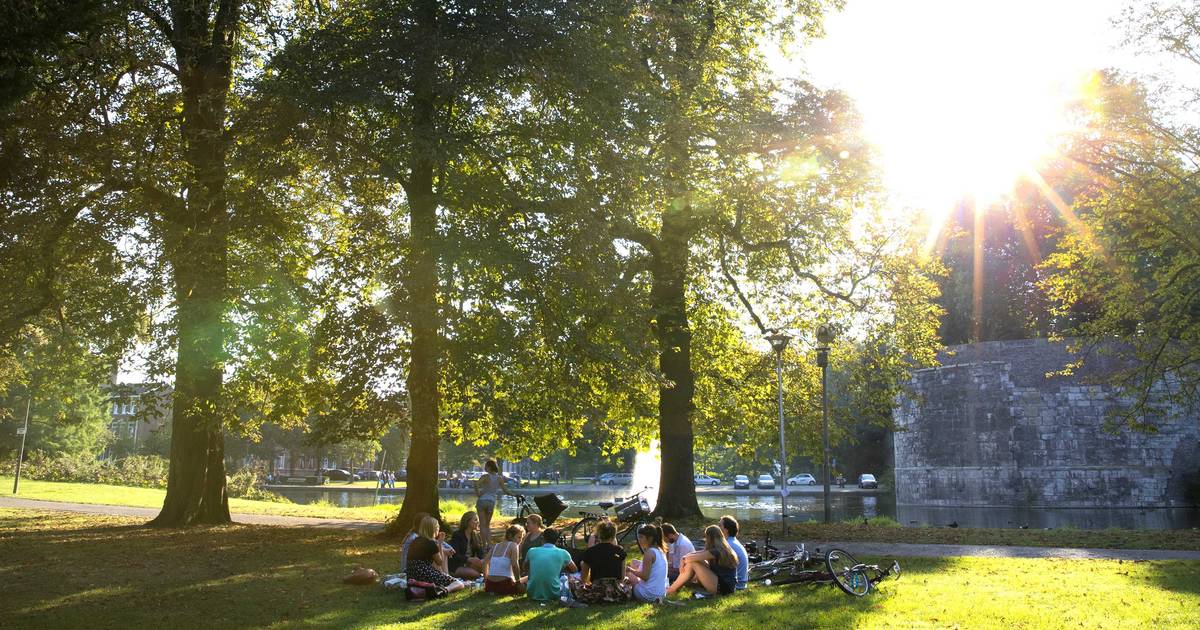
867 480
766 482
705 480
615 479
514 479
372 475
340 474
740 482
803 479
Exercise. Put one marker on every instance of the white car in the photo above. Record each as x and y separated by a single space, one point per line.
618 479
803 479
741 481
705 480
765 482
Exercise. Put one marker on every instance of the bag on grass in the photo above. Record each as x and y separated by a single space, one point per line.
418 591
361 575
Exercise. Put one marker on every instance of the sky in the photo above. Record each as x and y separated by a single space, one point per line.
961 96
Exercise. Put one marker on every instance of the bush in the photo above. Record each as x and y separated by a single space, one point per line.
147 471
247 483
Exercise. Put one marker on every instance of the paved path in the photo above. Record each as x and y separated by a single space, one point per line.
900 550
912 550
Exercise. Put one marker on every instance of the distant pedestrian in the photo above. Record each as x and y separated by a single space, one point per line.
391 479
382 477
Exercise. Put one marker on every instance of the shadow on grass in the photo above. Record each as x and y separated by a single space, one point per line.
68 571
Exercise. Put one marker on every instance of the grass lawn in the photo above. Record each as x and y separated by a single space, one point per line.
878 530
153 498
81 571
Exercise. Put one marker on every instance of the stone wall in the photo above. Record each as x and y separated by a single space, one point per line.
991 428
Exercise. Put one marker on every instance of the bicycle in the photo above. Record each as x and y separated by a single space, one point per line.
549 506
631 514
839 568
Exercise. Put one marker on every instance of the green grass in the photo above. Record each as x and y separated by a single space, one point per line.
83 571
875 530
102 494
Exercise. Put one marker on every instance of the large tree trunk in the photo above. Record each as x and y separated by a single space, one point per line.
196 245
677 489
421 494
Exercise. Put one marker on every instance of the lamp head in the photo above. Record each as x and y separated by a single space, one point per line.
825 334
778 340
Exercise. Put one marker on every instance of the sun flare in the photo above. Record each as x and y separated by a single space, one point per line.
963 99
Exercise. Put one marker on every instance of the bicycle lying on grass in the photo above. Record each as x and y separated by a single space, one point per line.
836 566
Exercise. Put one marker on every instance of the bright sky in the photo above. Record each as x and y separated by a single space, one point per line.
962 96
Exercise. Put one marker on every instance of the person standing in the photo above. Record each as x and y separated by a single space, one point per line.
488 489
679 546
544 565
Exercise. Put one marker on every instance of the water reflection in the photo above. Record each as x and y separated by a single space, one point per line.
849 506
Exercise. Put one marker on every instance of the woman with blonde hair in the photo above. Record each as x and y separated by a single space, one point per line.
467 561
503 562
715 567
426 556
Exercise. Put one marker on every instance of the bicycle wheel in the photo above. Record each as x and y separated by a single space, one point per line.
843 568
581 532
762 572
628 539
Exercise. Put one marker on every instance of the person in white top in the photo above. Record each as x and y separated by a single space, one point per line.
502 574
488 488
678 546
650 580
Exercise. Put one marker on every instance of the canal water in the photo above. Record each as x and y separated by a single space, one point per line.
809 507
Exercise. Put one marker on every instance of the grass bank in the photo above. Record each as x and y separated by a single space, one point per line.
94 493
876 530
81 571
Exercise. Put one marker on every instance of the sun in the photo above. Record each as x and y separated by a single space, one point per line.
962 99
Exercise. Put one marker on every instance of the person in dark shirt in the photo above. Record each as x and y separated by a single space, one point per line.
602 570
426 557
533 534
467 561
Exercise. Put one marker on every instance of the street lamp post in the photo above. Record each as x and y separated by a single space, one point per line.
779 342
824 337
24 431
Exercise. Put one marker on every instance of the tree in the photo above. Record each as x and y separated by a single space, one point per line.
1133 249
388 94
703 175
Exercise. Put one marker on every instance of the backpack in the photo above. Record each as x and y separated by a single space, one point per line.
417 591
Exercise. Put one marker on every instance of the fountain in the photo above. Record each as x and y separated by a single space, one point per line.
647 466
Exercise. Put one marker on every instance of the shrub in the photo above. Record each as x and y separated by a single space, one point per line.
247 483
147 471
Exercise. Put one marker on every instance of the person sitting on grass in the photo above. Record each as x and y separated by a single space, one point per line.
601 569
427 559
533 534
714 567
650 579
503 576
409 538
678 546
730 525
467 560
544 565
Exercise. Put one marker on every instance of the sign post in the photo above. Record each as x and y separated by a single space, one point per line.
22 432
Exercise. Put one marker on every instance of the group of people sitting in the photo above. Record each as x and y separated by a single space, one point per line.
530 561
